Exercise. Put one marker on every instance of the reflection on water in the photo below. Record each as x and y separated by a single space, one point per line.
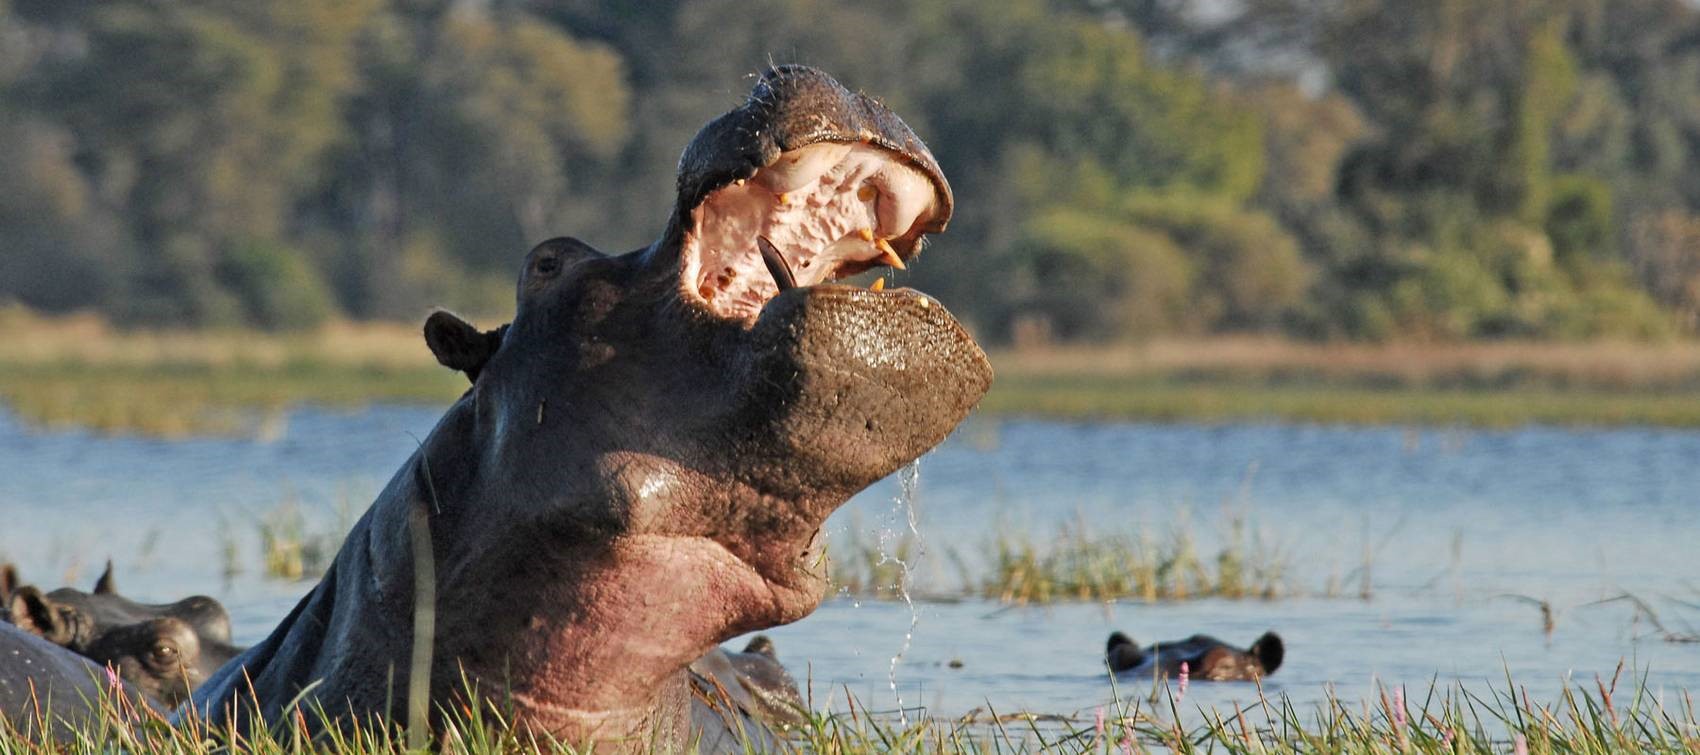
1454 522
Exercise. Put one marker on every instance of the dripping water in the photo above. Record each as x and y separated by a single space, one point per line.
908 479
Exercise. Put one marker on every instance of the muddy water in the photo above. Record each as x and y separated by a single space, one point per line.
1458 530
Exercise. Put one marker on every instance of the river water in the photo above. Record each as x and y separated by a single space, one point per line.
1459 530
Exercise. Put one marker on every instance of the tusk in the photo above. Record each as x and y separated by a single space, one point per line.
889 256
776 265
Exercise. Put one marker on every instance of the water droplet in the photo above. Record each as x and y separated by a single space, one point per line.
908 480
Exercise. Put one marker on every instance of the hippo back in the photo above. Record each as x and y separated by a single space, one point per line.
41 682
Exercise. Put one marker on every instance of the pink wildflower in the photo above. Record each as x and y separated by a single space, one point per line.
112 678
1181 693
1399 706
1099 726
1519 745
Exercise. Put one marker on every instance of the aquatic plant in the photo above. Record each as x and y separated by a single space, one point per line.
1082 562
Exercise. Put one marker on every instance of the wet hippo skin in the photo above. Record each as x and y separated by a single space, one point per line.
642 466
1206 657
163 650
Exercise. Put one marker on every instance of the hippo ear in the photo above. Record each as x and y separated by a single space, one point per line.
106 585
1269 651
762 645
1118 639
460 346
8 583
33 612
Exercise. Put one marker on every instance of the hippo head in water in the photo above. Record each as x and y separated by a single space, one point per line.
1206 657
71 618
643 464
163 650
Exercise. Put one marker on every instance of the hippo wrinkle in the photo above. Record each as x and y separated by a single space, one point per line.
642 466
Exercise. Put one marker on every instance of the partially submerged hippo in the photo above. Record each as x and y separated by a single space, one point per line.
163 650
49 692
70 617
756 681
1207 658
643 465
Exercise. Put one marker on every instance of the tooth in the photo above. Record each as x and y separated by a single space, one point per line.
879 285
867 234
776 265
784 198
866 193
888 255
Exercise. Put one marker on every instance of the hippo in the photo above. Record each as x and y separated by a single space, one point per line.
71 617
50 693
1207 658
755 681
163 651
643 465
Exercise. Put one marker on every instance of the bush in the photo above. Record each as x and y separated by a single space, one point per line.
278 290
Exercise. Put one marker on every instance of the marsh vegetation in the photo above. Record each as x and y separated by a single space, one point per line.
82 372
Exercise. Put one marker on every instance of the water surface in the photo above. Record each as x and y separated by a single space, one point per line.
1453 522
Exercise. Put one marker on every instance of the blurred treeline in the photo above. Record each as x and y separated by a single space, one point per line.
1124 168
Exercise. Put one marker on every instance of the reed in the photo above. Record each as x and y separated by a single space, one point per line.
1598 718
1080 562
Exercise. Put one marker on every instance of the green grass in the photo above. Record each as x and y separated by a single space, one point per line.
80 371
1586 718
178 400
1079 562
1173 399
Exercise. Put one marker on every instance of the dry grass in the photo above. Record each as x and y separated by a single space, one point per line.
80 371
1622 366
89 340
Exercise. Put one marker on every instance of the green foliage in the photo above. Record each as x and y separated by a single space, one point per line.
1439 169
1076 275
279 290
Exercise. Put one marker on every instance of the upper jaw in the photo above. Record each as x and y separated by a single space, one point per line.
832 181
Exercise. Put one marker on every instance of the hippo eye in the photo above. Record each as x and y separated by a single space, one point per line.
548 264
163 655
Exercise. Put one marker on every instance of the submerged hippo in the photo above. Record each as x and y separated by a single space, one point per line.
643 465
1207 658
49 692
163 650
70 617
756 681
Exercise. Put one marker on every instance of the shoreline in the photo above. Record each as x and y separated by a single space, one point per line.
80 372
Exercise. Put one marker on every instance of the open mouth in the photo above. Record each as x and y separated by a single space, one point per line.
817 214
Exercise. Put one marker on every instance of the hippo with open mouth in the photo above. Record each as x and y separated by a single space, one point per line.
642 467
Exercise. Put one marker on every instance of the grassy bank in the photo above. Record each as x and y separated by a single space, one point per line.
80 371
1476 384
1587 719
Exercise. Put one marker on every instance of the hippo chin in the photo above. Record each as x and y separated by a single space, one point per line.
643 465
1206 657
